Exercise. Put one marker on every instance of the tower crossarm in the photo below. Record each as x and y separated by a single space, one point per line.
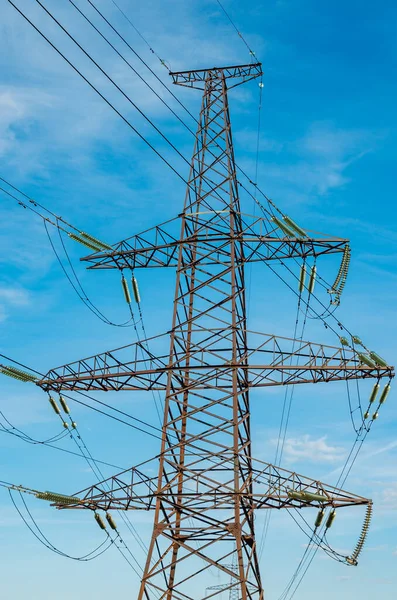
198 78
260 239
132 367
272 487
272 361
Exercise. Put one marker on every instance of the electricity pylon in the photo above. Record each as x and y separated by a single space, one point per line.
208 485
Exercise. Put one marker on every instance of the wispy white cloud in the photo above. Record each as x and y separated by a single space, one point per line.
311 449
388 497
318 161
11 297
330 150
20 108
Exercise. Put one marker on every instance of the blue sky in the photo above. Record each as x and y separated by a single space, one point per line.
328 144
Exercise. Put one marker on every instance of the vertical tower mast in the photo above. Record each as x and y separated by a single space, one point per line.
208 485
186 534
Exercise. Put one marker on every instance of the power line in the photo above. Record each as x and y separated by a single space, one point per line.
140 34
183 106
93 464
240 35
123 413
130 125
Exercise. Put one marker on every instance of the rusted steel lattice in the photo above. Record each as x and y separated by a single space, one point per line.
208 485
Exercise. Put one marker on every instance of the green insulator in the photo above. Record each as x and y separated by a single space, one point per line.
319 518
375 416
126 290
366 360
374 393
284 228
111 522
85 242
295 227
331 519
295 495
306 496
57 498
342 270
66 426
356 340
366 415
135 289
95 241
384 393
12 374
312 280
99 520
64 405
302 278
18 374
378 359
54 405
311 497
344 341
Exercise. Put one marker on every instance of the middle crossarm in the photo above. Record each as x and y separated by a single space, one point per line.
273 361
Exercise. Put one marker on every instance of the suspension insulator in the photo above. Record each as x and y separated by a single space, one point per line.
18 374
111 521
331 519
344 341
85 242
364 358
384 393
378 359
66 426
375 416
57 498
339 282
353 558
374 393
135 289
284 227
23 374
292 225
306 496
99 520
95 241
302 278
356 340
64 405
9 373
126 290
366 414
54 405
312 280
74 424
319 518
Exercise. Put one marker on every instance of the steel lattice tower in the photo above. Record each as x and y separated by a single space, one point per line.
208 484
